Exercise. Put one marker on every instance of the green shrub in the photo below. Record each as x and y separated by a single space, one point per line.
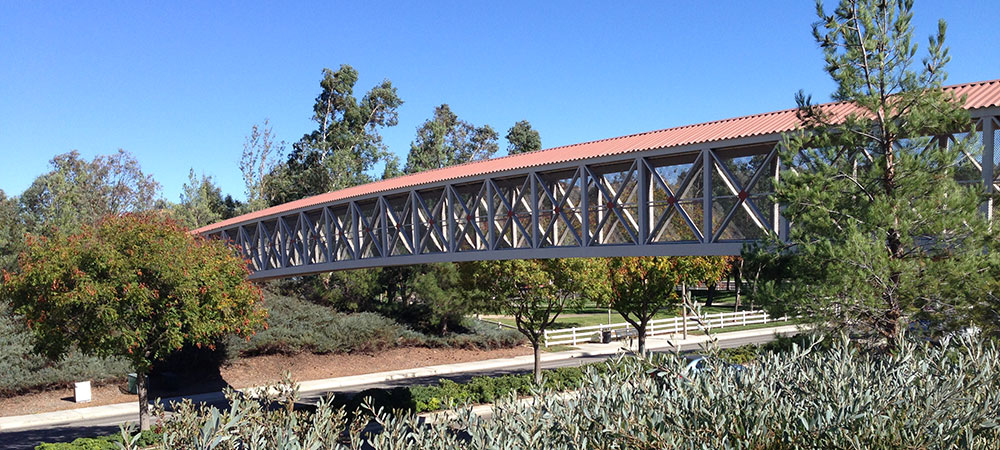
146 439
296 325
482 389
79 444
739 355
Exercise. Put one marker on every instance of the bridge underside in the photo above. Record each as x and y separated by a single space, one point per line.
707 199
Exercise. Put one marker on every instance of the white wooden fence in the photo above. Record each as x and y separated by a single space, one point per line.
675 325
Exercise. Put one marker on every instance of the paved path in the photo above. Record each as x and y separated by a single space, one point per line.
18 432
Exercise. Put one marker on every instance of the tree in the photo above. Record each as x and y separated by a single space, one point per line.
78 192
446 140
133 286
881 229
201 202
521 138
260 153
440 287
713 270
639 287
534 291
11 231
345 147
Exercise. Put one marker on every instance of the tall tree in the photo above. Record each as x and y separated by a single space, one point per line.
78 192
133 286
882 230
445 140
346 145
534 291
201 202
521 138
260 155
11 231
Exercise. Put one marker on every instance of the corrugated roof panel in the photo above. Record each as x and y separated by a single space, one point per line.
982 94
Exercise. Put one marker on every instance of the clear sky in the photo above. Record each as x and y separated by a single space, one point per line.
179 84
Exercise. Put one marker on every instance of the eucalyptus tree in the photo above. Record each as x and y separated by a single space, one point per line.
11 230
78 192
201 202
445 140
346 144
522 138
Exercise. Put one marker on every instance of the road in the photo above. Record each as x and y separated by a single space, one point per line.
27 439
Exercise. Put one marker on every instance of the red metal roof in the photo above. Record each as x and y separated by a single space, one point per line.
981 94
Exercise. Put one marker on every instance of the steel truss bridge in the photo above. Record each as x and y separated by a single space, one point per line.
697 190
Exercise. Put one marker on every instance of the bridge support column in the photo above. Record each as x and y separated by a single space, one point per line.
707 166
989 150
642 199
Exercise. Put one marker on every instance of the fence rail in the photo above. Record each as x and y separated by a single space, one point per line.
674 325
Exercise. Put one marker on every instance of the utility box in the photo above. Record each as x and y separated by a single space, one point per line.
81 392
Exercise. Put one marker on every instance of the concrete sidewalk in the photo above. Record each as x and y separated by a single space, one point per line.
316 388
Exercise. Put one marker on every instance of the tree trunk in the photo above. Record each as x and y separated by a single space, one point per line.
890 325
641 332
140 386
738 278
538 362
684 309
711 287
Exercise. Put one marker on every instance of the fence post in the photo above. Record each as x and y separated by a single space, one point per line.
574 335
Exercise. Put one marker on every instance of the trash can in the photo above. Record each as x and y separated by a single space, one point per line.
133 387
606 336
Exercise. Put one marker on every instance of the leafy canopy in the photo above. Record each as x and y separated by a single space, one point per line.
78 192
137 286
346 145
445 140
522 138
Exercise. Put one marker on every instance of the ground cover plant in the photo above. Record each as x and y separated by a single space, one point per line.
922 396
22 370
297 326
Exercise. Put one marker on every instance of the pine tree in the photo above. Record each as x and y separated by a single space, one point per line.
881 230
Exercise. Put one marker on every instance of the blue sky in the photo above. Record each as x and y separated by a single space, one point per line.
179 84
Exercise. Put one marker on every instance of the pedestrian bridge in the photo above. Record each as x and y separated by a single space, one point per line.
701 189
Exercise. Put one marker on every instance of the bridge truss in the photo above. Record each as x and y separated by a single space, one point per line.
699 199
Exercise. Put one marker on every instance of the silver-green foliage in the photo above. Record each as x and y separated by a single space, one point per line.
920 397
22 369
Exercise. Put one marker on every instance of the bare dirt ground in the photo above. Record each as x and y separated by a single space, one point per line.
260 370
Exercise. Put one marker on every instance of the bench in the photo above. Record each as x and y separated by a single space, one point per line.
626 333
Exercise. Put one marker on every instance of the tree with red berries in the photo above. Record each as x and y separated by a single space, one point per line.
136 286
